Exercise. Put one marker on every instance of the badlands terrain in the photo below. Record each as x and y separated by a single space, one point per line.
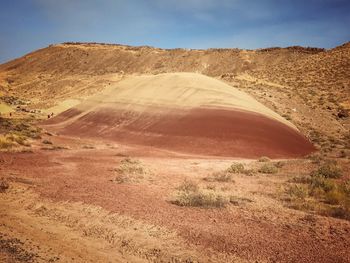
112 153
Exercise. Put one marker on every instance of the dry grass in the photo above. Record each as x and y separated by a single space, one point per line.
239 201
263 159
5 143
16 132
227 174
329 169
46 142
268 168
20 127
236 168
322 192
130 170
222 176
4 185
190 194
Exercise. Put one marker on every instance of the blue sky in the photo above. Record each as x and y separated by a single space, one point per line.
26 25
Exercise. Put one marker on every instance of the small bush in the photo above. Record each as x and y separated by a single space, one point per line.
326 196
268 168
189 194
239 200
300 180
335 197
131 166
236 168
318 182
279 164
46 142
329 169
249 172
263 159
3 185
222 176
188 186
130 170
5 143
16 138
316 158
297 191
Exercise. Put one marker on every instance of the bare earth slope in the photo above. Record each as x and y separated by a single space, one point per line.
66 70
308 86
185 112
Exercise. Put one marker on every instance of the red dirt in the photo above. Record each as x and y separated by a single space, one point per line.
213 132
84 175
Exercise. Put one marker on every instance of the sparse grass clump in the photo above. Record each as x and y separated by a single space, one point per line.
222 176
322 192
130 170
11 140
21 127
3 185
268 168
236 168
189 194
299 192
5 143
263 159
16 132
227 175
46 142
238 201
131 166
18 138
329 169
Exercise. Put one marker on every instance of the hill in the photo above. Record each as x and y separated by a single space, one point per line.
185 112
308 86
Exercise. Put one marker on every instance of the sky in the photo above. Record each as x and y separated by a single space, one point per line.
27 25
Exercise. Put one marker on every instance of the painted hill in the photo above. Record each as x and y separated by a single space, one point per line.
184 112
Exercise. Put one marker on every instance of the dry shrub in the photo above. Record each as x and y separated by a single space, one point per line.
4 185
325 195
12 139
296 191
17 138
130 170
329 169
236 168
5 143
263 159
226 175
238 201
46 142
222 176
189 194
268 168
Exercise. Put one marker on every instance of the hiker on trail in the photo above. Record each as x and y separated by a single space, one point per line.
48 116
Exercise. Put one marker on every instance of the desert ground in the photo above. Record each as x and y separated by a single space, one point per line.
113 153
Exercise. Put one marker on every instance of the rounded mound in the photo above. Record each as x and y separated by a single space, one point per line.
184 112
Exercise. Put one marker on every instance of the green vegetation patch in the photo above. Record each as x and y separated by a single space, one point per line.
323 192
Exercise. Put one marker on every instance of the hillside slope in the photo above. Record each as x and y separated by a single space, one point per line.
184 112
308 86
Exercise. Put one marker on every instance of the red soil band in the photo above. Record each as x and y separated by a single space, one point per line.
215 132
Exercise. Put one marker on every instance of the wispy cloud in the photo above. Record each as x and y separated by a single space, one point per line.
26 25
